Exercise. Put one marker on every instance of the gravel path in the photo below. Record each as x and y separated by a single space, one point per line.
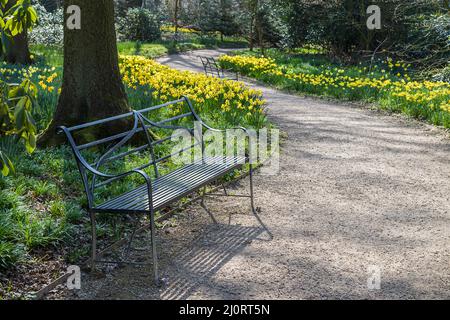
356 189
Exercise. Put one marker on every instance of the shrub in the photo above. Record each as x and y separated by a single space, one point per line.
428 42
139 25
49 30
443 75
16 104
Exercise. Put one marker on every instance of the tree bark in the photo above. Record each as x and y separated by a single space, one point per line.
253 9
175 15
17 50
251 34
92 87
259 29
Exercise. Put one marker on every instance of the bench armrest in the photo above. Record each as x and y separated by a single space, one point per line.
148 182
81 160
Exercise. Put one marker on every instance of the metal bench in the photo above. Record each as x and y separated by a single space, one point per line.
158 191
212 68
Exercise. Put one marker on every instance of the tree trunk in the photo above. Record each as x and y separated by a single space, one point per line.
175 16
17 50
253 9
251 34
261 42
260 34
92 87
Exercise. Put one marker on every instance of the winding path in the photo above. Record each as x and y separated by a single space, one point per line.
357 190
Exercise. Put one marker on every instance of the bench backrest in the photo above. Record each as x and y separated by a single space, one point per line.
211 67
138 135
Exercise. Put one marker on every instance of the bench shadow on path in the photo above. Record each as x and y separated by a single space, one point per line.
205 257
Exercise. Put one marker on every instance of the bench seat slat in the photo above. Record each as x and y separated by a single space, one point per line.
172 186
165 188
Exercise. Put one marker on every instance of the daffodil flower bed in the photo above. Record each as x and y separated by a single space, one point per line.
223 101
226 103
48 81
179 29
393 90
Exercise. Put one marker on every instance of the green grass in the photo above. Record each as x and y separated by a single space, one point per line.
34 212
53 55
149 50
164 47
49 55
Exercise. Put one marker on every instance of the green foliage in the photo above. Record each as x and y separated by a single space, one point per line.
139 25
10 254
149 50
218 16
16 104
43 204
269 25
20 17
50 28
47 54
427 42
414 31
36 212
16 17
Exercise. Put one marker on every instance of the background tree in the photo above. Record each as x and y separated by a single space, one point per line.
17 17
409 28
139 24
51 5
218 16
176 14
92 87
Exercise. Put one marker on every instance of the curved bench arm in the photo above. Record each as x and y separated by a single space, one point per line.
148 182
82 161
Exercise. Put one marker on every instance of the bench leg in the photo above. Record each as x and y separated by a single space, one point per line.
94 241
202 204
126 251
154 253
252 194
